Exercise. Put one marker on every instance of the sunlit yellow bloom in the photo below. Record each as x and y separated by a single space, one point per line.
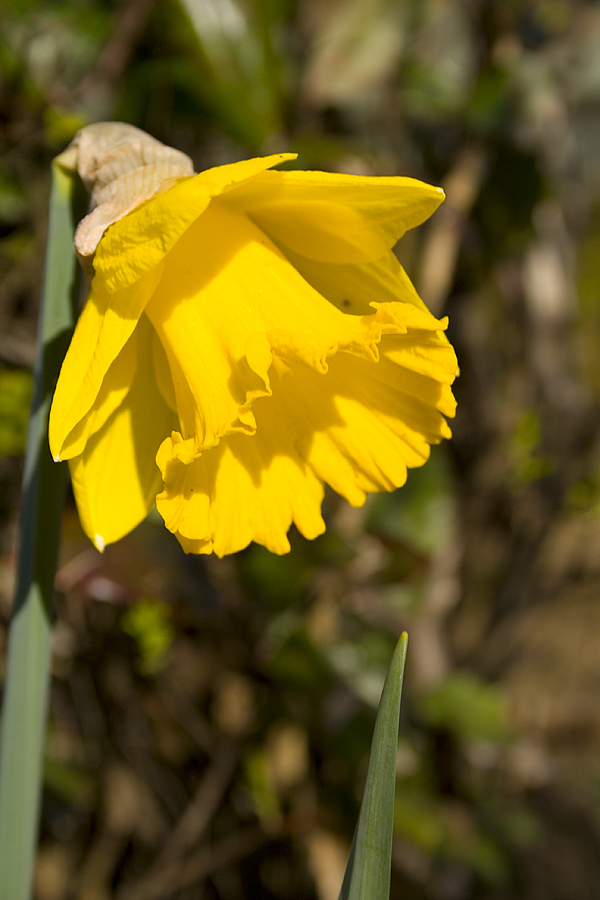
249 337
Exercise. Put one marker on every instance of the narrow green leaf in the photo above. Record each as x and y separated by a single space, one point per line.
368 871
28 664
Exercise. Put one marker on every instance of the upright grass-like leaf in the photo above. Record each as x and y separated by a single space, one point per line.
28 664
368 871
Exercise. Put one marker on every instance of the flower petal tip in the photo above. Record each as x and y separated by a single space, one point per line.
99 542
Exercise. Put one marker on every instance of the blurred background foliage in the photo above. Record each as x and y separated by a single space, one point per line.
211 719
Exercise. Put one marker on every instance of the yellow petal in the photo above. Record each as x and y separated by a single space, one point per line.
116 479
249 488
228 296
162 373
328 217
115 387
363 423
428 354
357 424
353 287
106 323
138 242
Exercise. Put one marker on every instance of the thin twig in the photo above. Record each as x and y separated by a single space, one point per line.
187 717
438 260
178 875
112 62
202 807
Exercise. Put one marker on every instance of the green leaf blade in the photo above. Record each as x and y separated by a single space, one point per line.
368 871
26 684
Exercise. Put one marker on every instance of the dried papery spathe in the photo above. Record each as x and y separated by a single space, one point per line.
121 166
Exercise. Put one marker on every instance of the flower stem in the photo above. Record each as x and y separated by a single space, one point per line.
28 663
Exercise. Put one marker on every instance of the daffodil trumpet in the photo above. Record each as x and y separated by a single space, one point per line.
249 336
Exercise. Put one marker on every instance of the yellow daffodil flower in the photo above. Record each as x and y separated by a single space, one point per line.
249 337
